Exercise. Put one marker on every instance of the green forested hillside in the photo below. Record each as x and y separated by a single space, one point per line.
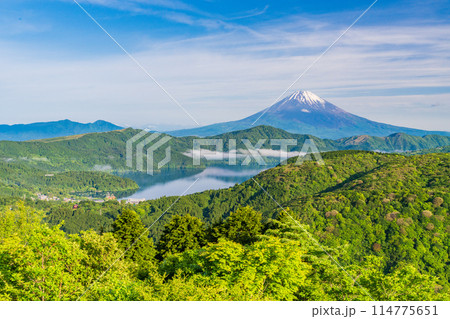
107 151
81 152
383 218
20 179
383 214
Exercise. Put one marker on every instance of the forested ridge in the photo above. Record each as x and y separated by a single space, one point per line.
107 151
79 163
383 217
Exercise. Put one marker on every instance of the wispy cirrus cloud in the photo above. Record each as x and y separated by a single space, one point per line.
177 11
248 14
390 72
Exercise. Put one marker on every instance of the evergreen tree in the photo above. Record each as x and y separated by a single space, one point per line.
180 234
243 226
132 237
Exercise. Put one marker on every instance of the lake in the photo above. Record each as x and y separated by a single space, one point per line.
176 182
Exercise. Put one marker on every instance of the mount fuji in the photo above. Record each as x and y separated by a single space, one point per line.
303 112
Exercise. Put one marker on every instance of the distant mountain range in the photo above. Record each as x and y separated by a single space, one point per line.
35 131
304 112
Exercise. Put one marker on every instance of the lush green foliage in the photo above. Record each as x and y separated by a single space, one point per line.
243 226
95 151
282 264
130 232
383 218
180 234
20 179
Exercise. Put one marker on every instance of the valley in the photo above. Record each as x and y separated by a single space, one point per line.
380 215
75 155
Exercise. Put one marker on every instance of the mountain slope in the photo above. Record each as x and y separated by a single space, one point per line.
107 151
386 205
370 204
34 131
305 113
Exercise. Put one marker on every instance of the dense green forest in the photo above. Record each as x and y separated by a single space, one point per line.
19 180
381 217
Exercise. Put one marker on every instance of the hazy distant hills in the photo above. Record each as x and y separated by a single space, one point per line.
306 113
301 113
35 131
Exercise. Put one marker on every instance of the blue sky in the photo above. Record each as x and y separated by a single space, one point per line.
221 60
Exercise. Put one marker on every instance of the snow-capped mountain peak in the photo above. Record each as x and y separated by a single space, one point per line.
306 97
302 101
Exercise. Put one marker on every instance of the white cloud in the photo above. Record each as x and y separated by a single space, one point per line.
241 153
